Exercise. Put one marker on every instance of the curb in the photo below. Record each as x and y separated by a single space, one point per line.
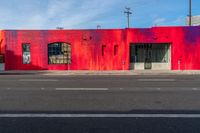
107 73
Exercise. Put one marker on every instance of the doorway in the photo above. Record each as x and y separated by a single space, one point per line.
150 56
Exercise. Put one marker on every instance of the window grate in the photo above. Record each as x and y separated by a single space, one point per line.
26 53
59 53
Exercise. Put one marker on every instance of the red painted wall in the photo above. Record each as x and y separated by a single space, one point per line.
2 43
87 47
185 43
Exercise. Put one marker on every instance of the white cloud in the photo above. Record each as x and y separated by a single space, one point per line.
64 13
49 14
180 20
78 14
159 21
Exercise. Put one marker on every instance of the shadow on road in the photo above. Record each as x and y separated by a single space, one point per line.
100 125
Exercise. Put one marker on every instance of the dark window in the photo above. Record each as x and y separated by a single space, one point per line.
1 58
157 53
140 53
103 50
26 53
115 50
160 53
59 53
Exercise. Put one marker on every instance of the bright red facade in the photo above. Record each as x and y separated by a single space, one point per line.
86 47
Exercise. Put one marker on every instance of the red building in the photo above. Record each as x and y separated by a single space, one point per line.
168 48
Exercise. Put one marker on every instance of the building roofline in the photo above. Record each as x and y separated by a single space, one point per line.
106 29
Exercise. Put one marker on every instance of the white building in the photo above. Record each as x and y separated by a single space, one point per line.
195 20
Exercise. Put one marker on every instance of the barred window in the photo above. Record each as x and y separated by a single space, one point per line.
26 53
59 53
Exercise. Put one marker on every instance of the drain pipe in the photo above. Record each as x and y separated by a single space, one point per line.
123 63
179 64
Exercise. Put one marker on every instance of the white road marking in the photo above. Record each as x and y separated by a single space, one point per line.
157 80
38 80
158 89
100 115
195 89
178 89
81 89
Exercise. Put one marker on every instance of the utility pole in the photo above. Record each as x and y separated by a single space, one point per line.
98 26
190 12
128 12
59 28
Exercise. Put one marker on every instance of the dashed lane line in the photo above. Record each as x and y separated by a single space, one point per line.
156 80
81 89
37 80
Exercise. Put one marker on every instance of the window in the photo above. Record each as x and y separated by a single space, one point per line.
1 58
160 53
157 53
115 50
140 53
59 53
103 50
26 53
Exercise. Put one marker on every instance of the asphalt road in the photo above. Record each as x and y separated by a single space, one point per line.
100 104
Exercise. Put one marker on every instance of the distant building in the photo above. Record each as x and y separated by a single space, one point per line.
195 20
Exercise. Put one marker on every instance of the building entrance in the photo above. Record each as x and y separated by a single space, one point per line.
150 56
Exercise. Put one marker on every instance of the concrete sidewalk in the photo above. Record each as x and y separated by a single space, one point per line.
137 72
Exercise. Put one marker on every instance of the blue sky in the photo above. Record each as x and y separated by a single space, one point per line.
87 14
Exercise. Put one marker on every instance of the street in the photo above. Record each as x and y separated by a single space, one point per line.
99 104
